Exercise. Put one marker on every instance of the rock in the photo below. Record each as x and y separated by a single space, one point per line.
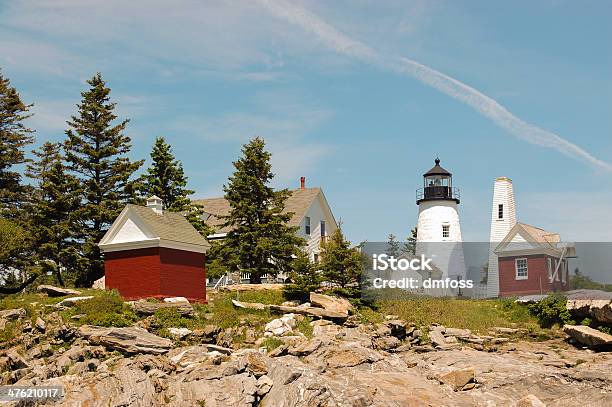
129 340
391 317
417 333
598 309
397 328
439 341
290 304
386 343
457 379
333 304
208 334
279 351
226 338
71 301
40 324
179 333
502 330
499 340
588 336
264 384
530 401
53 291
15 360
306 348
99 284
149 308
13 314
352 321
302 309
350 356
174 300
281 326
457 332
256 364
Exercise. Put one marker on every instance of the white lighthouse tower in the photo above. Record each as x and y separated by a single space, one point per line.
438 227
503 218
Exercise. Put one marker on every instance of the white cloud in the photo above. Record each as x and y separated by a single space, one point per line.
483 104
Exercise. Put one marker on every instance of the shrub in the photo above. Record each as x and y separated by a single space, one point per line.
304 327
106 309
551 310
271 343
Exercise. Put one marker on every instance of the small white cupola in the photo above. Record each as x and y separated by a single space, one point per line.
156 204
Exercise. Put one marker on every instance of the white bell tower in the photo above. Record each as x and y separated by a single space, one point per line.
503 218
438 227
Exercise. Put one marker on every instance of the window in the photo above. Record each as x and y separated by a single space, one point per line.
316 257
521 269
500 211
307 225
445 230
550 272
323 228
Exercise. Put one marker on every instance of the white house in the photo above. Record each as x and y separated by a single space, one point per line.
311 213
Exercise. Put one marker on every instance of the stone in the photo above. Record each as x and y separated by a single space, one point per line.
398 328
71 301
256 364
499 340
334 304
457 332
306 348
350 356
15 360
179 333
128 340
53 291
530 401
503 330
386 343
13 314
458 378
226 338
279 351
149 308
588 336
302 309
439 341
174 300
264 384
99 284
281 326
208 334
40 324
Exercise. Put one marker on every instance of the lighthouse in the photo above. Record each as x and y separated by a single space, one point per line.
438 227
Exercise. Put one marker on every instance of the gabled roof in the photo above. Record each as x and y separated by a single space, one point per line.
297 203
531 238
168 229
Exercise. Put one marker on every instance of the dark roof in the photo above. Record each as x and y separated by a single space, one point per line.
437 170
169 226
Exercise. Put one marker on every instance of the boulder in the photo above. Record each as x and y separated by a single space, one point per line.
458 379
99 284
11 315
457 332
53 291
302 309
598 309
588 336
179 333
149 308
334 304
71 301
281 326
436 335
40 324
208 334
128 340
530 401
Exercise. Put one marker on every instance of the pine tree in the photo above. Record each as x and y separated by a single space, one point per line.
260 238
410 245
341 264
96 151
304 277
55 200
165 178
14 137
393 246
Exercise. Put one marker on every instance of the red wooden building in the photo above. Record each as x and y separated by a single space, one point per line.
532 261
152 253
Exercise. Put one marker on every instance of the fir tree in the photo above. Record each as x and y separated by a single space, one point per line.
410 245
259 236
393 246
96 151
341 264
304 277
54 202
14 137
165 178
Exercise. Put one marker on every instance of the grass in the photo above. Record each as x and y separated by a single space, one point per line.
271 343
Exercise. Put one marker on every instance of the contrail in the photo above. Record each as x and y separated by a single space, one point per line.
458 90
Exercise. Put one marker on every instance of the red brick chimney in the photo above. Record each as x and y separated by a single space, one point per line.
302 182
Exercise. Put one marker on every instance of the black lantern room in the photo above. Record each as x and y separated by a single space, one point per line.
437 185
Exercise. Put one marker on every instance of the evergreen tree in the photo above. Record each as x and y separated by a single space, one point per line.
304 277
341 264
96 151
393 246
14 137
165 178
54 202
410 245
259 236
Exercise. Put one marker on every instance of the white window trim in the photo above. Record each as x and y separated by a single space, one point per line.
446 225
516 275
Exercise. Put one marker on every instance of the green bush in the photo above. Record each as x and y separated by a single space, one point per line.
271 343
551 310
106 309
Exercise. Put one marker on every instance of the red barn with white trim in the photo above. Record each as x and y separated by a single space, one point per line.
149 252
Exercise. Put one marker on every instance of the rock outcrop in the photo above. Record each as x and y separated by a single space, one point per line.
588 336
53 291
129 340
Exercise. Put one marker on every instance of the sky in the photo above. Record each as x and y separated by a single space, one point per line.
357 96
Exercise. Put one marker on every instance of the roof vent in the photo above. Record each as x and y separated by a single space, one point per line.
156 204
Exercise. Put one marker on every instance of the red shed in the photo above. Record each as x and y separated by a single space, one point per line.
532 261
149 252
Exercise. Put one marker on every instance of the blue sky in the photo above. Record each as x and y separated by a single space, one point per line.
324 84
